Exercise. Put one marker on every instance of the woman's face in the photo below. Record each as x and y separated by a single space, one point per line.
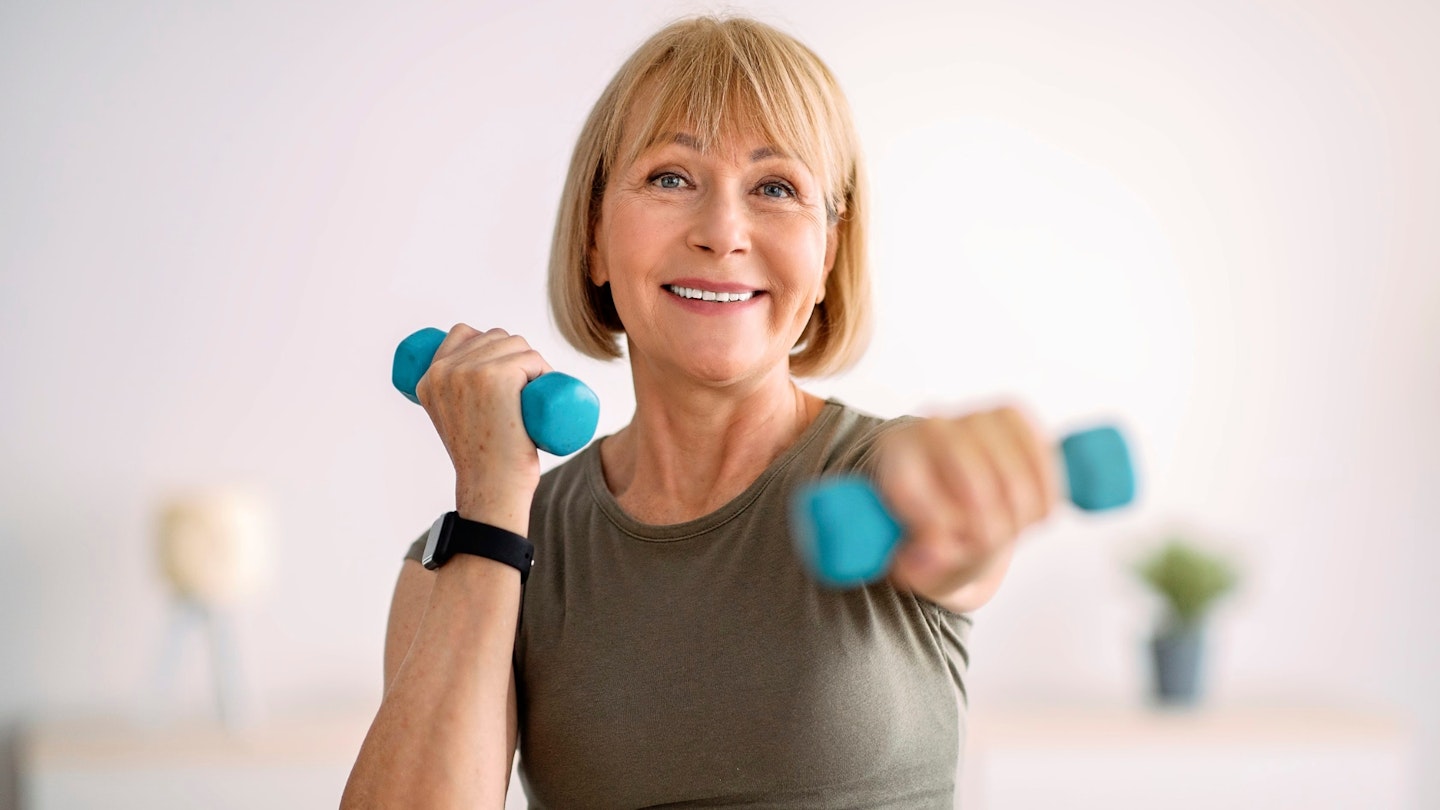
715 259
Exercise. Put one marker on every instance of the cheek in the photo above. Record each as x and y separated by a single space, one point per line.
804 258
627 263
634 242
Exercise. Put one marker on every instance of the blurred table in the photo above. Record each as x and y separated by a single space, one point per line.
119 765
111 763
1016 759
1119 758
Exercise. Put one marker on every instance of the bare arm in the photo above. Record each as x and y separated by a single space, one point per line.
412 593
445 733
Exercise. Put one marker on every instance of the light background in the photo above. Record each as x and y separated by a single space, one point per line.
1213 220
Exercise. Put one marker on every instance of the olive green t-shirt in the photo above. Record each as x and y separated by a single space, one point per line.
699 665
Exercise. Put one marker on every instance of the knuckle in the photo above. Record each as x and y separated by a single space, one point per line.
927 431
1022 420
962 422
486 373
1008 418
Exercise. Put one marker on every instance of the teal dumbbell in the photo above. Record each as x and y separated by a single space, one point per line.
846 536
559 411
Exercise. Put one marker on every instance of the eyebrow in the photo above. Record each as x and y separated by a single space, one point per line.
691 142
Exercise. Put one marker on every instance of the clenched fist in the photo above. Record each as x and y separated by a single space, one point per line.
964 489
472 394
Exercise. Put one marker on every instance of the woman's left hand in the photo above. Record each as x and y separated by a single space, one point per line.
963 489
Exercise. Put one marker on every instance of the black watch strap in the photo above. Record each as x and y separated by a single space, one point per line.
456 535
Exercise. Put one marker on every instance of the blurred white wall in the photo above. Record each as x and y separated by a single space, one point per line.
1214 220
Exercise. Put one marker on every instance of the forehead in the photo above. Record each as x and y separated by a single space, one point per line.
739 145
731 123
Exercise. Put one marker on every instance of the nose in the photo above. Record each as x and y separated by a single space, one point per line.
721 224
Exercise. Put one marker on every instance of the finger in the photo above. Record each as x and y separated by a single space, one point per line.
970 476
487 347
493 354
903 486
910 491
514 349
530 362
1038 455
940 552
459 335
1018 481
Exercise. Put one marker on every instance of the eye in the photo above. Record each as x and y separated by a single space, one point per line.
777 190
669 180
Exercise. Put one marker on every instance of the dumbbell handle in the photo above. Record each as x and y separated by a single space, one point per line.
560 412
847 537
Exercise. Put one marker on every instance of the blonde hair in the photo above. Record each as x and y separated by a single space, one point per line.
709 74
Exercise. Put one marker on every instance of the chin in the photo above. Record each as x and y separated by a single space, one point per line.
721 374
718 363
732 370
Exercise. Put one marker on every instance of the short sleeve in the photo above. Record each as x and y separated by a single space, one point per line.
952 633
859 457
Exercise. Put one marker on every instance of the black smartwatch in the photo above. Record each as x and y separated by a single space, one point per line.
453 535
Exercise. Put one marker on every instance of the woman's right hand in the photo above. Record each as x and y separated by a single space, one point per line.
472 393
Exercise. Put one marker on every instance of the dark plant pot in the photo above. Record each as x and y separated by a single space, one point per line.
1179 657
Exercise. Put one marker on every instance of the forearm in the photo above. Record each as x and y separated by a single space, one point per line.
443 734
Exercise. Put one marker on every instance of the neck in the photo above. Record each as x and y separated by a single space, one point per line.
693 447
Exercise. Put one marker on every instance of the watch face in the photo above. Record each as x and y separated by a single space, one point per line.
434 544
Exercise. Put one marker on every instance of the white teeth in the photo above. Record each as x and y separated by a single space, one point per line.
709 295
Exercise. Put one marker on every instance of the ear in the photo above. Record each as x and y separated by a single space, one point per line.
832 243
599 273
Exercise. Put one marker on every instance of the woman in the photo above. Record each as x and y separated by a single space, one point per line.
672 648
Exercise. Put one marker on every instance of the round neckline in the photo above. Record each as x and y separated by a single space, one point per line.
671 532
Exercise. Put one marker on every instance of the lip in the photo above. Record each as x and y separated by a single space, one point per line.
713 286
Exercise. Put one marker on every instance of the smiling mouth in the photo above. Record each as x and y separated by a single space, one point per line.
695 294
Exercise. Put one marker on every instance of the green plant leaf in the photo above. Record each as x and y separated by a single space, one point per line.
1189 579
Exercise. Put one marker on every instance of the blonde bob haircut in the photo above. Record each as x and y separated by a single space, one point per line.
707 76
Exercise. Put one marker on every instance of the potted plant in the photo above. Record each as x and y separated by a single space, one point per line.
1189 580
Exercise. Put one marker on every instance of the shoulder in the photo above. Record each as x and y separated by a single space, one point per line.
850 439
572 472
567 482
